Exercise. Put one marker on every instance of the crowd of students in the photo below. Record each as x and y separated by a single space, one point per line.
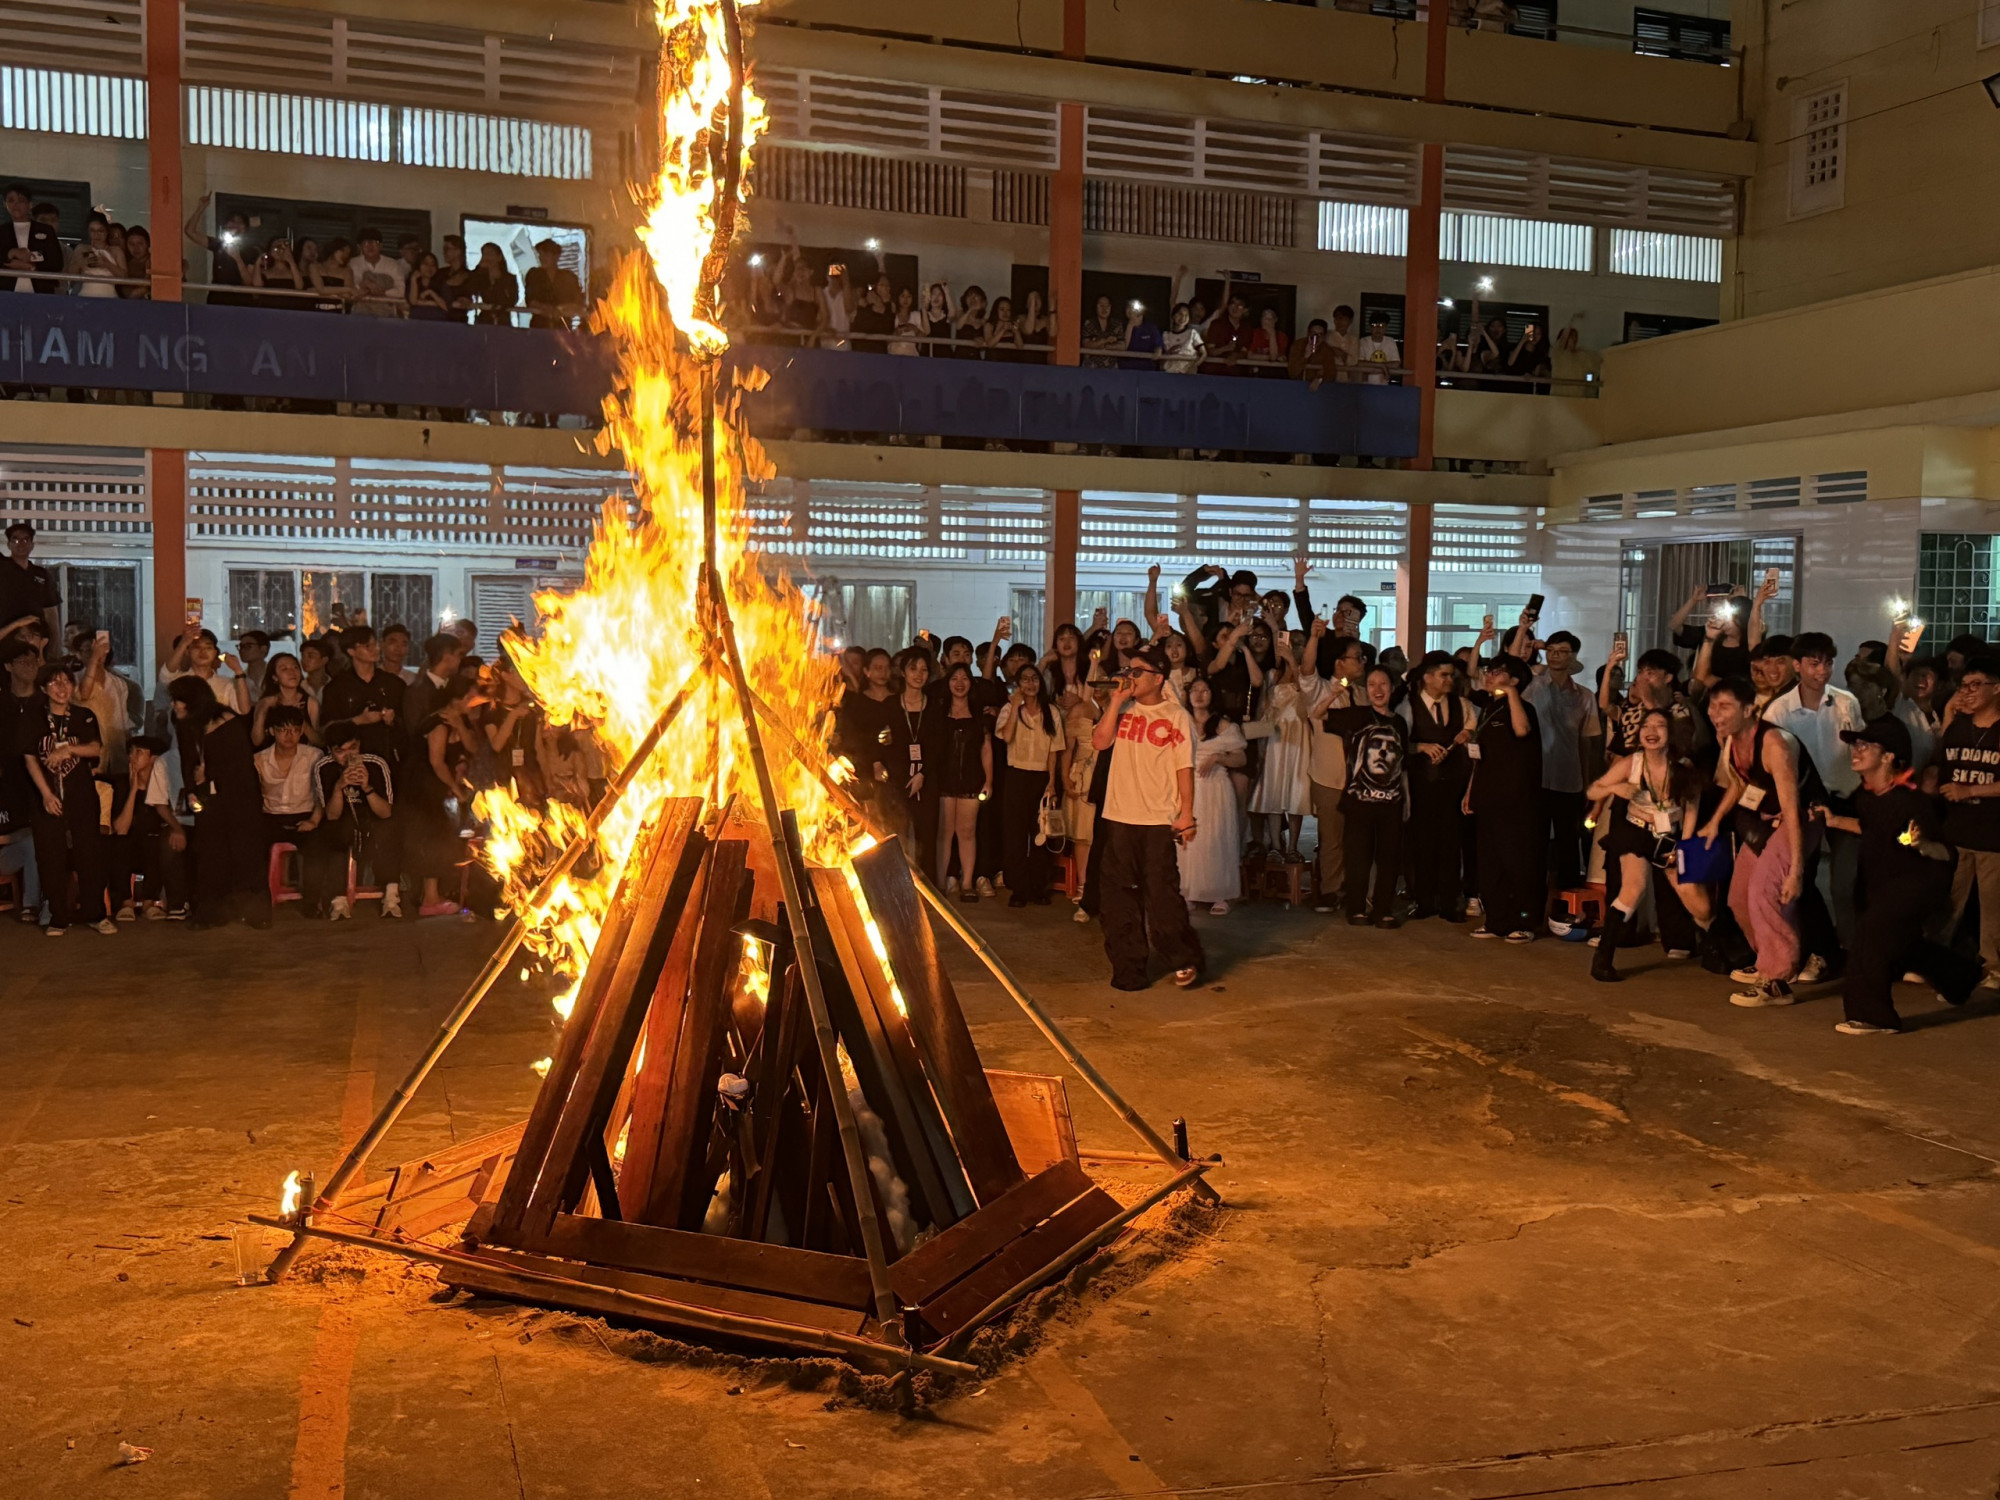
367 765
1750 813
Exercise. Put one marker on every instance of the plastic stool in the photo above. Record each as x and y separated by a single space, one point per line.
280 889
356 891
1582 899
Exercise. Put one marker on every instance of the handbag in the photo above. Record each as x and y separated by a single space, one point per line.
1052 824
1700 863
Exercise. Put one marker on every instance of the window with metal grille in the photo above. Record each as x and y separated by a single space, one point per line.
1672 257
492 143
265 599
104 597
1364 229
1535 18
1819 152
1604 508
1849 487
1116 206
72 103
846 179
331 599
404 599
294 124
1489 239
1955 584
1665 33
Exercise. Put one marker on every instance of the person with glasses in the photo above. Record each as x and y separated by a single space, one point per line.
1148 814
1966 770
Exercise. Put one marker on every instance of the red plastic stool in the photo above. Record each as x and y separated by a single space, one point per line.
1582 899
281 890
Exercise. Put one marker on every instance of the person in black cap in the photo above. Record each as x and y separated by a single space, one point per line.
1504 800
1148 811
1904 879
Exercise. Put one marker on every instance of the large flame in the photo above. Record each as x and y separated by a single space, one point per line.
610 655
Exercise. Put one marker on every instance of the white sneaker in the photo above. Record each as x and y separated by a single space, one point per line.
1764 993
951 885
1081 916
106 926
392 905
337 910
1862 1028
1746 976
1813 971
1680 953
984 886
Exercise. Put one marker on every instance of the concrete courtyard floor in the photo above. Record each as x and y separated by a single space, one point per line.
1491 1231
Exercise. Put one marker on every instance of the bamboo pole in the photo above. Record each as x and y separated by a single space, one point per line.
983 950
789 860
640 1304
357 1155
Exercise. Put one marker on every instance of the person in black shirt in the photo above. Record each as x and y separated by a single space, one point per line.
60 744
366 696
1904 878
1504 801
356 794
1966 769
27 591
554 294
132 848
1441 726
230 847
1372 805
958 764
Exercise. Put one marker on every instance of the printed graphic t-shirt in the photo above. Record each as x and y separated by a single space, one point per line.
1155 741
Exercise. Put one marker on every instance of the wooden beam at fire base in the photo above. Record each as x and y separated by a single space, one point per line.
897 1099
670 860
936 1022
879 989
669 1105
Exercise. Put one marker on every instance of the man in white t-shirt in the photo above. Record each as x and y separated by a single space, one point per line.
1148 809
378 278
1377 354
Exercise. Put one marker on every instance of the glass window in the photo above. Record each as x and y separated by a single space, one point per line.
1026 607
1117 604
332 600
263 599
517 239
1955 584
105 598
403 599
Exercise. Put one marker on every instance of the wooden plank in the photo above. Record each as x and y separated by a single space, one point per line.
808 1275
671 862
943 1259
868 1049
664 1019
937 1024
546 1114
689 1111
882 992
774 1105
1035 1109
1040 1247
701 1294
718 966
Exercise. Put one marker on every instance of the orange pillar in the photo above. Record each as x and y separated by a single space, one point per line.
163 144
164 214
1066 298
170 583
1420 336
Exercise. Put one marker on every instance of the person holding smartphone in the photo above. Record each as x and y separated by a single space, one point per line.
1148 813
61 746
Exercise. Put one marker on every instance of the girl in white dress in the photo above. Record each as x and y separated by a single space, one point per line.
1212 861
1284 790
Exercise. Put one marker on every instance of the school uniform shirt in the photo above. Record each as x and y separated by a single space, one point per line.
1568 716
1030 746
166 787
288 790
1818 729
1970 756
1377 746
1154 743
222 684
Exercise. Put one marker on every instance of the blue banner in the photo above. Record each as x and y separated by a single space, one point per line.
251 351
835 391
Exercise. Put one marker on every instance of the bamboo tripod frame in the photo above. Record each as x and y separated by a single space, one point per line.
724 657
